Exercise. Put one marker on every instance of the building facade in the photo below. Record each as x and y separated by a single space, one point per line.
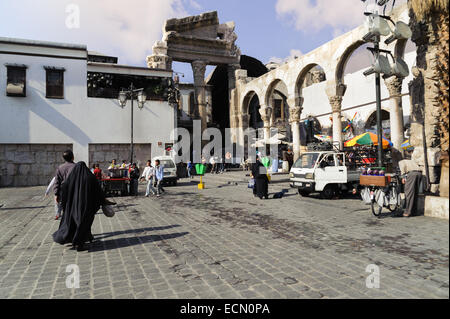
57 96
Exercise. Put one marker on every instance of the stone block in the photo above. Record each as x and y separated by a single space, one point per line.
6 181
33 180
9 156
41 156
23 147
36 147
48 170
51 156
23 157
105 147
50 147
20 181
97 157
433 154
61 147
11 169
24 169
44 180
436 206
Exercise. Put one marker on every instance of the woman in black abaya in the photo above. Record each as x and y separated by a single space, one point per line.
81 198
259 173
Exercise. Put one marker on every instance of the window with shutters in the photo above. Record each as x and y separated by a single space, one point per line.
54 83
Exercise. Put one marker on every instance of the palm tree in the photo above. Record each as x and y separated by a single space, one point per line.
430 25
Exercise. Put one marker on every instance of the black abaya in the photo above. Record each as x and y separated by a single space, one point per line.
81 197
259 173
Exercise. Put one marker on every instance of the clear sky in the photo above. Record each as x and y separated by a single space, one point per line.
266 29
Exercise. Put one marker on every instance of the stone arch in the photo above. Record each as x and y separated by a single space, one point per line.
344 58
271 88
372 117
302 77
245 103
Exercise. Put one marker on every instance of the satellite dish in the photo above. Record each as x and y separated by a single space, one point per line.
402 32
400 68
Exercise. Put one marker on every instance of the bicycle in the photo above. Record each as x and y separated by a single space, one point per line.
385 196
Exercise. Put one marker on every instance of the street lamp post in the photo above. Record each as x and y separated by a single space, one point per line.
132 93
378 26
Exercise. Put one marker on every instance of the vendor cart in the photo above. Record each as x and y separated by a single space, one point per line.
115 186
116 183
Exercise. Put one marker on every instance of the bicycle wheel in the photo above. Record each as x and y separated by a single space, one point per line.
393 194
376 209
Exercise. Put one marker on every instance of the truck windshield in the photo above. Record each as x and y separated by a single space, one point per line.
306 160
167 164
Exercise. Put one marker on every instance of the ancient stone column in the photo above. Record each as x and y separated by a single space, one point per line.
243 125
231 68
294 120
266 113
336 104
394 86
198 68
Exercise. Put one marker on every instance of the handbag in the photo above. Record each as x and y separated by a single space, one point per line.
108 211
251 183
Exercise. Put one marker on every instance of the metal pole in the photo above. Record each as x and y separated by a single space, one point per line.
378 99
132 97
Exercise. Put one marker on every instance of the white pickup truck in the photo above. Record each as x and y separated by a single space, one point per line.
323 172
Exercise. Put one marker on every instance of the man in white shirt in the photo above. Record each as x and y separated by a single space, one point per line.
148 174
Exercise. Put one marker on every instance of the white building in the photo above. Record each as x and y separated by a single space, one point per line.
56 96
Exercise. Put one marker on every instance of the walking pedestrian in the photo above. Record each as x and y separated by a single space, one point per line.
61 175
58 207
259 173
81 197
190 166
134 179
412 183
148 175
159 175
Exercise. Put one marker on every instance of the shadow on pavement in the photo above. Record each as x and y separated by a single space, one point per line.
133 231
25 207
130 241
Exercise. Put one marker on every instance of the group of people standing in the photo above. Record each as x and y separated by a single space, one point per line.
154 177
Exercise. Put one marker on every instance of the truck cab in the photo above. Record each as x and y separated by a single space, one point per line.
324 172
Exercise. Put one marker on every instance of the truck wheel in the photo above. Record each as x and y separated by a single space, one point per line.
303 193
328 192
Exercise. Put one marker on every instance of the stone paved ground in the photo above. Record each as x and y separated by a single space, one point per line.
222 243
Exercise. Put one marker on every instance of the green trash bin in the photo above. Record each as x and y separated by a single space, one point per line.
200 169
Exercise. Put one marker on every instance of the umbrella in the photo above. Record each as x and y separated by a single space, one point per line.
367 138
323 138
407 146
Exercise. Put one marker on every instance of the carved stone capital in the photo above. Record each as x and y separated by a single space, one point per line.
266 113
295 113
394 85
336 103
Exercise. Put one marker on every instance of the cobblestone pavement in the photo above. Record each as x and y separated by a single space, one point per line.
223 243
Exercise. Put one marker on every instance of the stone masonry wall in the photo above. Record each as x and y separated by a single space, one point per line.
29 164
